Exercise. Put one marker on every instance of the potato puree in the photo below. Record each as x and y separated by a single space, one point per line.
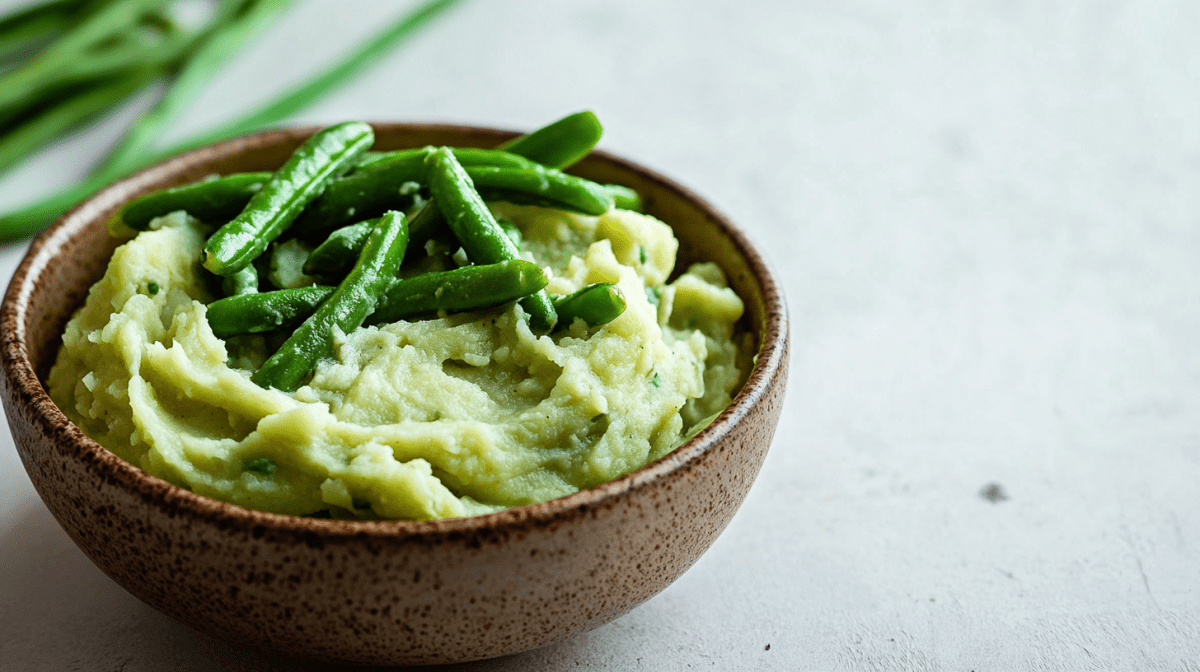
456 416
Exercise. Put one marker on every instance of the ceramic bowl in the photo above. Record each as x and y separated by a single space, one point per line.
385 592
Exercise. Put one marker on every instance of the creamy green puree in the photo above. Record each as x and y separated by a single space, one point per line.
462 415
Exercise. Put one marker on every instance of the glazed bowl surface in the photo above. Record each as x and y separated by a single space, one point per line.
392 592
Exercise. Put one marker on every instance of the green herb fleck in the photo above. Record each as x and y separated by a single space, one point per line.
360 504
152 287
642 253
261 466
654 296
655 380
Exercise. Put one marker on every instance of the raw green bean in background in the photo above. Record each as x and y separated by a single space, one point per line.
624 198
325 155
353 300
561 143
266 311
545 187
214 200
244 281
19 142
460 290
33 217
476 229
596 304
31 27
236 23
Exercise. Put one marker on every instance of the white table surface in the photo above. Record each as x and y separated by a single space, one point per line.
986 216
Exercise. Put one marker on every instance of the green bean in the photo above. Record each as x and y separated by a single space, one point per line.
22 30
476 229
385 183
243 282
211 200
460 290
272 209
546 187
511 230
561 143
624 198
388 181
68 114
341 248
353 300
596 304
265 311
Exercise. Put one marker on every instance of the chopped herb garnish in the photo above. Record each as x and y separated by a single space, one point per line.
261 466
654 296
642 253
152 287
655 380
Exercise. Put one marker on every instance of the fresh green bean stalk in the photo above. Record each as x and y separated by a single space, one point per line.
559 144
300 180
66 115
212 200
353 300
545 187
595 304
460 290
475 227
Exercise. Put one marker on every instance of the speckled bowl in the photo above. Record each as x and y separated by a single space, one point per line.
384 592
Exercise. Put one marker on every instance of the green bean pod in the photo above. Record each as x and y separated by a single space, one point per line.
560 144
595 304
477 230
353 300
462 289
266 311
212 200
387 181
341 248
624 198
546 187
270 211
244 281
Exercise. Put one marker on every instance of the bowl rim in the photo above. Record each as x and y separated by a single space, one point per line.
23 382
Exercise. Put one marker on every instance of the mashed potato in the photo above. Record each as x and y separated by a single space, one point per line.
462 415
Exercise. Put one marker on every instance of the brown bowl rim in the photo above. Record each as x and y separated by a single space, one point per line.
24 382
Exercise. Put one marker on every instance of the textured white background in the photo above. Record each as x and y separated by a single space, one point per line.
986 215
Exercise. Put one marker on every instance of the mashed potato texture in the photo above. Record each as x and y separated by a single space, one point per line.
454 416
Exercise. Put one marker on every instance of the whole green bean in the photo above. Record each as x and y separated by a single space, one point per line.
595 304
265 311
29 27
561 143
472 223
353 300
300 180
387 181
212 200
546 187
460 290
341 248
